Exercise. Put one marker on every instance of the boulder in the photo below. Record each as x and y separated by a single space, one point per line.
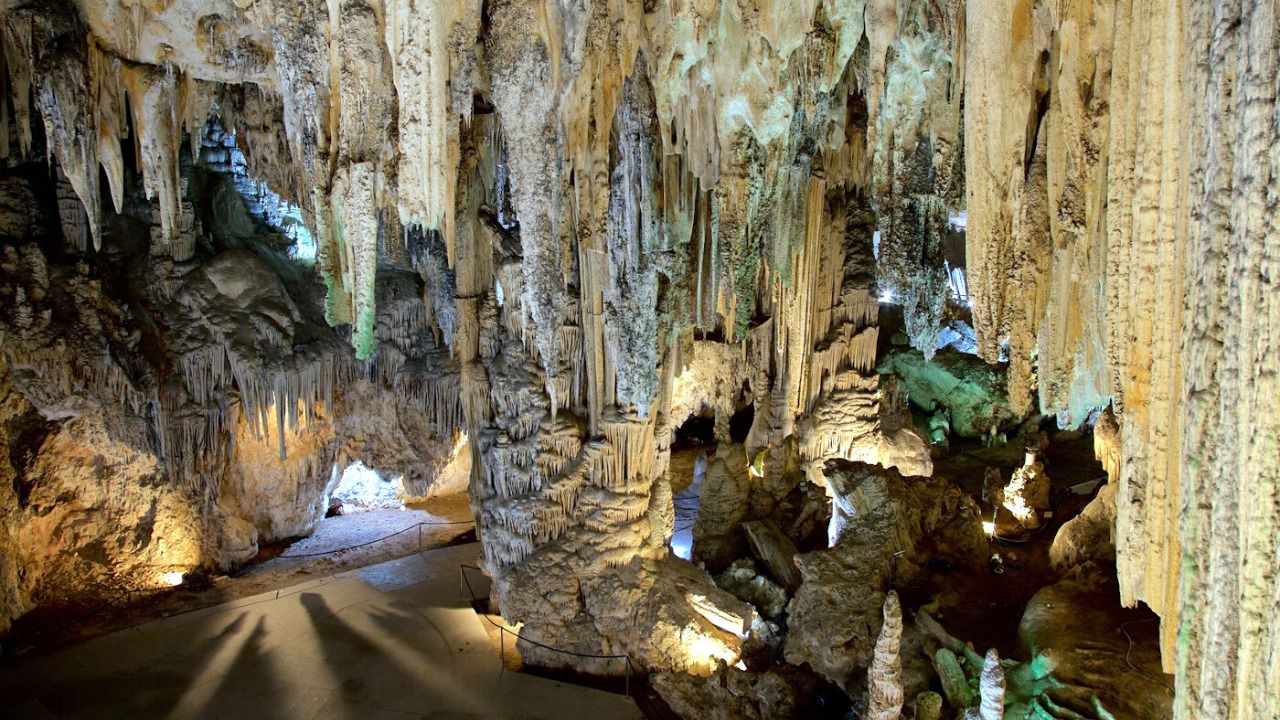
775 550
733 694
665 614
892 526
1088 537
1098 648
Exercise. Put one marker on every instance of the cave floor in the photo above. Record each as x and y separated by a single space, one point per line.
278 566
393 640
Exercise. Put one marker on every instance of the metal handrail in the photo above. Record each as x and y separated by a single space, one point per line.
417 526
131 595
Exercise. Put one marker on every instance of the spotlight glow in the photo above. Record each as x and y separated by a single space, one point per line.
703 651
171 579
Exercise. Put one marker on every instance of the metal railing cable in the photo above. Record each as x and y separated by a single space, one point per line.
418 526
123 598
503 630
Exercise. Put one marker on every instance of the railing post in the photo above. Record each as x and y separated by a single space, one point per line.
502 647
419 538
627 682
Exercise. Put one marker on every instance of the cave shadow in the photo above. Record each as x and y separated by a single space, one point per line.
152 688
249 688
383 669
394 618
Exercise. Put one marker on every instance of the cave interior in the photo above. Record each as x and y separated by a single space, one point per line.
741 360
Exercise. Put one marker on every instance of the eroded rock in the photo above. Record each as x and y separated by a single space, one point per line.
894 525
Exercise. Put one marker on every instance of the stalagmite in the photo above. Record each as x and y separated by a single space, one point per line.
991 688
884 681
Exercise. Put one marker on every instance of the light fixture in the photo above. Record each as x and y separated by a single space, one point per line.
171 579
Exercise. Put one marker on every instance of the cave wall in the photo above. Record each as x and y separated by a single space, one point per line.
165 417
1128 238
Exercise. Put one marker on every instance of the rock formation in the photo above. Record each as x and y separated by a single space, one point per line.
563 229
899 523
1124 239
884 679
1088 639
986 688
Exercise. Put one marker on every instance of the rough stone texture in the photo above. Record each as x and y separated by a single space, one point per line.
672 611
166 417
1091 646
928 706
988 687
775 550
1089 536
1023 500
744 582
1159 160
670 169
969 392
703 172
834 618
732 694
723 505
88 516
884 677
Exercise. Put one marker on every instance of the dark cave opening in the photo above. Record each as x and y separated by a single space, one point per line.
697 431
741 421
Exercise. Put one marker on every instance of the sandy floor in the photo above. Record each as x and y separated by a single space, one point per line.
276 567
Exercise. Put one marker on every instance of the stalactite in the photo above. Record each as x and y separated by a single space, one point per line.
913 134
416 36
521 63
660 178
630 296
108 88
19 57
355 228
152 94
62 79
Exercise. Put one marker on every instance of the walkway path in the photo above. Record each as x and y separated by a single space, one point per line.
387 641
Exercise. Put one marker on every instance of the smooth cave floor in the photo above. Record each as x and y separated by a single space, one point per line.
394 640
